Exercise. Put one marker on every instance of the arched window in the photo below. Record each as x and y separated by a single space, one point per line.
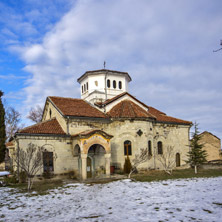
108 83
177 160
87 86
114 84
149 148
120 85
127 148
160 147
50 113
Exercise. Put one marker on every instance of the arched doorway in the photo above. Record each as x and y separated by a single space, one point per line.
177 160
95 161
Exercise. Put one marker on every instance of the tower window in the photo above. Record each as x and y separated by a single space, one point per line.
84 87
87 86
114 84
120 85
108 83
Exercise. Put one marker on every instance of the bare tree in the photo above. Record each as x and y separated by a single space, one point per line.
12 122
30 161
35 114
167 159
140 158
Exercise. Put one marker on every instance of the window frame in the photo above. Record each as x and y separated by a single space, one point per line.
160 148
127 148
114 84
108 83
120 84
149 148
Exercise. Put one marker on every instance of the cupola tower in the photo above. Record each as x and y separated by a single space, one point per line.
100 85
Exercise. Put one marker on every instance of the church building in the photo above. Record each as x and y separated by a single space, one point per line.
93 135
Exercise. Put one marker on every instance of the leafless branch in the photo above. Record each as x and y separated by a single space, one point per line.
35 114
140 158
167 159
30 161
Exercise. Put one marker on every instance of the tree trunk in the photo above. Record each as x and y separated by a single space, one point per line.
29 183
195 168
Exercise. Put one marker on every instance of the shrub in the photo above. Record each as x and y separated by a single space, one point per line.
127 165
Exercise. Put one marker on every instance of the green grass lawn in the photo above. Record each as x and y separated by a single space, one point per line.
156 175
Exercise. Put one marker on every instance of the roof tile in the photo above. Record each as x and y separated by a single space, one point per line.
76 107
128 109
47 127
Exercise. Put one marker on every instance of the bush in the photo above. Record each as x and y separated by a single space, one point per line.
127 165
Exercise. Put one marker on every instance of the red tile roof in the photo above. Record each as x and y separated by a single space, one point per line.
76 107
162 117
47 127
128 109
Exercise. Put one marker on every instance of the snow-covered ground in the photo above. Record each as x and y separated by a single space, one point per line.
171 200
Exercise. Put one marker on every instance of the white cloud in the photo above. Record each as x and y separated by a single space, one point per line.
165 46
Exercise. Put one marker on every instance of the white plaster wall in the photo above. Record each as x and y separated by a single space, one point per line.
64 161
100 79
56 114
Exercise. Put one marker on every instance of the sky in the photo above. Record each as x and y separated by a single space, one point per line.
165 46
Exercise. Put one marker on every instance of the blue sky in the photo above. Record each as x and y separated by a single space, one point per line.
166 47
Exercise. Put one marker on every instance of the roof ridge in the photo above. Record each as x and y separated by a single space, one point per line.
60 97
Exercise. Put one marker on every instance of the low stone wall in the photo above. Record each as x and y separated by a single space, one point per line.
210 166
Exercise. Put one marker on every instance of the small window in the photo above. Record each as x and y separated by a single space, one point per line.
120 85
87 86
127 148
108 83
114 84
177 160
50 113
149 148
96 83
160 148
48 162
82 89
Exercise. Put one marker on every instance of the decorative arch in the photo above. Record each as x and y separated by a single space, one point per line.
97 139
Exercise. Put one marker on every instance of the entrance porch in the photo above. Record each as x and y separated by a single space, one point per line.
94 153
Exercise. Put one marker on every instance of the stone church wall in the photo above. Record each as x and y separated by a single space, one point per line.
63 158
